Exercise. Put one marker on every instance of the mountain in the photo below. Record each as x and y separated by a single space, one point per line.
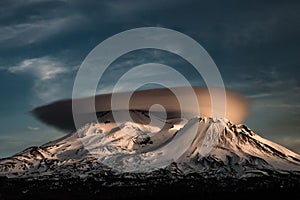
218 148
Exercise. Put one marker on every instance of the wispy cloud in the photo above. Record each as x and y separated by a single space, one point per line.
43 68
25 23
46 72
35 31
286 106
259 95
33 128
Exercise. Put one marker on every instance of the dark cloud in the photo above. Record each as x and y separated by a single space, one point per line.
60 113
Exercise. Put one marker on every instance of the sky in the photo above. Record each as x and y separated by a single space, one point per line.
255 45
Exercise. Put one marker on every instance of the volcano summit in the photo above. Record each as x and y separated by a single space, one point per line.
139 159
239 160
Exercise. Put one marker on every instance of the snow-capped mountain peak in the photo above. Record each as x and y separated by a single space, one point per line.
196 145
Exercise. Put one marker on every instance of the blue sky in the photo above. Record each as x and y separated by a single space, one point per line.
255 44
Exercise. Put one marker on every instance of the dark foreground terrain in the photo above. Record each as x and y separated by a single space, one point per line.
128 187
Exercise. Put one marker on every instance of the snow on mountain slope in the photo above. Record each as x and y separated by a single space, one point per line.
217 146
239 149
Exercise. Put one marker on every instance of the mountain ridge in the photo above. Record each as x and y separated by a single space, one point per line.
219 148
